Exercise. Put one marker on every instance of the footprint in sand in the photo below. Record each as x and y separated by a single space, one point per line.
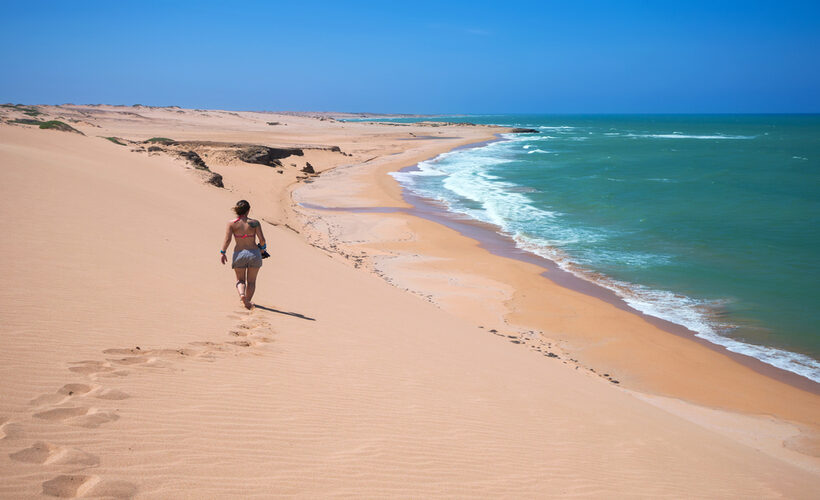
114 489
134 354
137 351
253 324
210 348
58 414
209 353
129 361
8 429
76 389
111 394
45 453
48 399
77 485
95 418
90 367
175 353
257 329
80 416
204 344
136 360
70 486
62 395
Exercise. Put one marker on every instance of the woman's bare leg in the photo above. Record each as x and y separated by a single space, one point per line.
241 288
251 288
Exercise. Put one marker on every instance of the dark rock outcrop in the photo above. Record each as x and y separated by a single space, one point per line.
523 131
264 155
308 168
194 159
215 180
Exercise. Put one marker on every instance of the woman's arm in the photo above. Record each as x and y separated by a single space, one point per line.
259 234
228 234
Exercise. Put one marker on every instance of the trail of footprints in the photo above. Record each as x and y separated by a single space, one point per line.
537 343
73 404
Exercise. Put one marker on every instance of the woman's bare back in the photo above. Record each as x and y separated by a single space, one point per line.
244 233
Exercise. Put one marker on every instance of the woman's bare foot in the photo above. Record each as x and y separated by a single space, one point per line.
247 303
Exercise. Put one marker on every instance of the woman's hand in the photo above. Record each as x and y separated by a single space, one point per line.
226 242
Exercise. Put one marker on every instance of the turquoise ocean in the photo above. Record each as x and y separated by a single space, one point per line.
708 221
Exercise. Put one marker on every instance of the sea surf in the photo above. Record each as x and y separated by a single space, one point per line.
707 221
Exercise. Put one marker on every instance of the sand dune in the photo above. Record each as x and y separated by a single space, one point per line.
128 368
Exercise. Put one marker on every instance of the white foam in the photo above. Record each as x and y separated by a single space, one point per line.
470 190
512 139
523 189
684 136
682 310
423 169
537 151
559 127
671 307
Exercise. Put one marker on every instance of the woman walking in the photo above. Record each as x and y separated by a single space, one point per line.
247 255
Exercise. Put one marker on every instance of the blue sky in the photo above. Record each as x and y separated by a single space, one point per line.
417 57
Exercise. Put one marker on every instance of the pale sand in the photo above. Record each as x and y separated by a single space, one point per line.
360 388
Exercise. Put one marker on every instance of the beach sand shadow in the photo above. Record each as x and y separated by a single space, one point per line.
296 315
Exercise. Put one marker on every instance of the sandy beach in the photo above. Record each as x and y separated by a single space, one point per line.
391 353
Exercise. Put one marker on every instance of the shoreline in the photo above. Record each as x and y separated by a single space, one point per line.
488 236
493 240
497 245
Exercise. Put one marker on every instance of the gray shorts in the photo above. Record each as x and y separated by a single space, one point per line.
247 258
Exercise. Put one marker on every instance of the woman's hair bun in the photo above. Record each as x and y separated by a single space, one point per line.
242 208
